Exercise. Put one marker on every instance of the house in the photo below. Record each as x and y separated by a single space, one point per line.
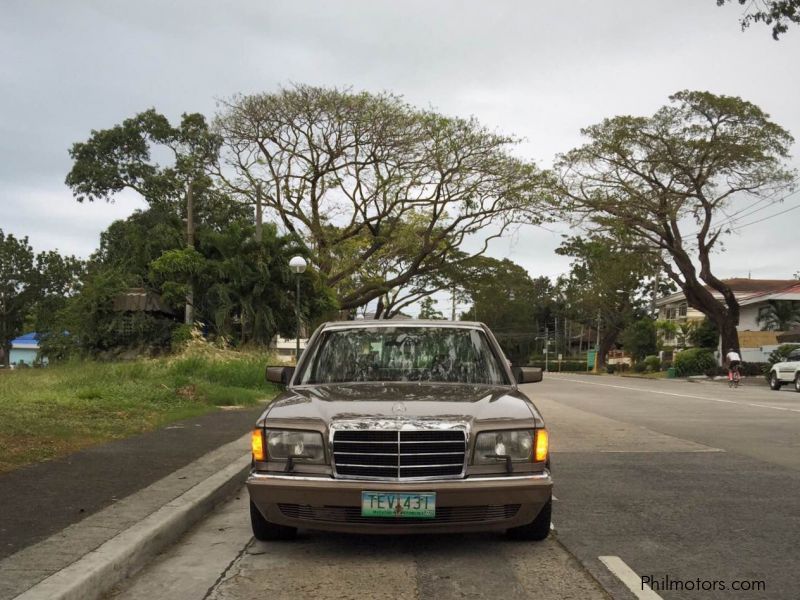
24 350
754 296
286 348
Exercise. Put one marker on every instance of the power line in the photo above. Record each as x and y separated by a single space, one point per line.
783 212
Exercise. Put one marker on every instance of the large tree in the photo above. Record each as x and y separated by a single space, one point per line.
668 180
606 285
17 287
778 13
354 169
127 155
506 298
33 288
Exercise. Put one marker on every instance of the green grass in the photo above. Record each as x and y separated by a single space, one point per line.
49 412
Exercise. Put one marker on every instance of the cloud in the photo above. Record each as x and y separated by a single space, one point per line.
538 70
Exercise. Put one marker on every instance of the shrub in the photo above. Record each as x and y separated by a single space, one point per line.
653 363
716 371
705 335
754 369
566 365
639 367
694 361
639 338
666 365
181 335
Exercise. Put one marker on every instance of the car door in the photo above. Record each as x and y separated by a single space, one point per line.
789 367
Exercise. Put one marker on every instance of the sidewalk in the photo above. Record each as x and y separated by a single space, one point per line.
42 499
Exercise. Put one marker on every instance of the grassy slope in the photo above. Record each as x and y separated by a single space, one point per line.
49 412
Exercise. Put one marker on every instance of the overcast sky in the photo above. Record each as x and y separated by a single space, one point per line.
541 70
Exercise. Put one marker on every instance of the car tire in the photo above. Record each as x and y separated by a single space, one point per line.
265 531
797 383
536 530
774 382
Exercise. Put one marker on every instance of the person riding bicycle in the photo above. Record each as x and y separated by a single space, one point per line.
734 360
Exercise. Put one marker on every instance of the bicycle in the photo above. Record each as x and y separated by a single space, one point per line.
734 377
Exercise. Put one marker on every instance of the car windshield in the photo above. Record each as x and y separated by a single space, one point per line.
396 354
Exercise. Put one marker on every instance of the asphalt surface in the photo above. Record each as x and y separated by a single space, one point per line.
42 499
711 491
692 482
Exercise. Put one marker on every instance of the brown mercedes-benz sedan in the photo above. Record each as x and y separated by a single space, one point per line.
401 427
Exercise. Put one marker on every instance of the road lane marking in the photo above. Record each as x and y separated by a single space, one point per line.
635 389
629 577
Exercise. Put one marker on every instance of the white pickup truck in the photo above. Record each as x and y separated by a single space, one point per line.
787 371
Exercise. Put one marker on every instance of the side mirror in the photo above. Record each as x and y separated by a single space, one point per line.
280 375
528 374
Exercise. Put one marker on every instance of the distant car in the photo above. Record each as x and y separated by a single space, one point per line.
787 371
401 427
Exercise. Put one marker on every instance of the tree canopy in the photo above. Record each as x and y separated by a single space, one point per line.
607 282
363 177
778 13
33 287
127 155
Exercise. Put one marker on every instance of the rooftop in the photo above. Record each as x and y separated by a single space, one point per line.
744 288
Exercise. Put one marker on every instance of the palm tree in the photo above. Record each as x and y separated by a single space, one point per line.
780 315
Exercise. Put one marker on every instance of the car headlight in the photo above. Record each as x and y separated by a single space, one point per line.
300 446
518 444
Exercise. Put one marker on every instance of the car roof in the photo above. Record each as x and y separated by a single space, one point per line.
401 323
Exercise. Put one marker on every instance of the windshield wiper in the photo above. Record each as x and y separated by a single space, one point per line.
506 457
290 461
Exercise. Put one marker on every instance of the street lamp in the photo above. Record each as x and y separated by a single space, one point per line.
298 265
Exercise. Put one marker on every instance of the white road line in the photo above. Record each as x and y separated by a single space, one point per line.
635 389
629 577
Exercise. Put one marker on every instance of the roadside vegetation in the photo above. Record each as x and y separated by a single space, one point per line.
46 413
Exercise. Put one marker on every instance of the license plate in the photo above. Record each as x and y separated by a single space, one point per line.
419 505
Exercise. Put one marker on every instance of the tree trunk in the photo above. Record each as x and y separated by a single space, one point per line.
259 215
379 308
730 338
189 314
606 341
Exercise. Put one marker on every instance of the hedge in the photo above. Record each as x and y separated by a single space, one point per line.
566 365
694 361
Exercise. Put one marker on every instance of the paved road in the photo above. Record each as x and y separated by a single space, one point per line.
668 479
679 480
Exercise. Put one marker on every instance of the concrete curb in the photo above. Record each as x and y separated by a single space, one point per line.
97 572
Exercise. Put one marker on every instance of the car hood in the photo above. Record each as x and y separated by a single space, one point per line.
459 402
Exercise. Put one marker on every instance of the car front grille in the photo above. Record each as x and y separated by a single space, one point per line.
445 514
399 454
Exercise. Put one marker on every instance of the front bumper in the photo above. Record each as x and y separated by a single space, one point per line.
470 504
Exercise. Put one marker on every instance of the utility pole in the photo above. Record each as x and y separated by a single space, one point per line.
655 291
453 303
546 347
189 314
555 335
597 345
259 216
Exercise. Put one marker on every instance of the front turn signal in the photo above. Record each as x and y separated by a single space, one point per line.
542 443
257 445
